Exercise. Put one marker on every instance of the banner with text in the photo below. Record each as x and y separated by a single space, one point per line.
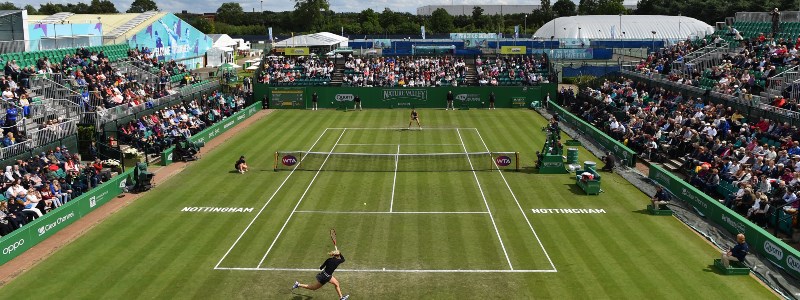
760 241
40 229
513 49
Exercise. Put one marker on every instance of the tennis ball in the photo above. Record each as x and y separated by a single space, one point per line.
365 203
384 269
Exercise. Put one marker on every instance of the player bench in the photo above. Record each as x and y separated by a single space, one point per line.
735 268
590 186
661 210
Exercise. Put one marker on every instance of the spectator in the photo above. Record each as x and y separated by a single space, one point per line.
737 253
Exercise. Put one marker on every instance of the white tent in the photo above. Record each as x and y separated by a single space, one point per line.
627 27
222 40
314 39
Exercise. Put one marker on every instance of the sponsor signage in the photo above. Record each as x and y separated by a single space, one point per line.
344 97
513 49
405 94
289 160
576 54
217 209
761 241
40 229
468 97
296 51
503 161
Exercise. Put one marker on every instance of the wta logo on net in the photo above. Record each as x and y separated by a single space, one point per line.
289 160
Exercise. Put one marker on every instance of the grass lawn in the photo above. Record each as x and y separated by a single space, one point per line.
421 234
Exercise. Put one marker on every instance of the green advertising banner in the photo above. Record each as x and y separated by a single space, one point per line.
760 241
403 97
40 229
627 155
214 130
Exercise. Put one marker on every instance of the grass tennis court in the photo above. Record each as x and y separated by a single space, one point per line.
409 228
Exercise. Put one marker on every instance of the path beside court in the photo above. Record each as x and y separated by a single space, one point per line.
41 251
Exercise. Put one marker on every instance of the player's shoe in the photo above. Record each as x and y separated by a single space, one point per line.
345 297
296 285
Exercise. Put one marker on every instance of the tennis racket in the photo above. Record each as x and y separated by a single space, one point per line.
333 238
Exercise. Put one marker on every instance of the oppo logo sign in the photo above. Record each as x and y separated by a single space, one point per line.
14 246
793 263
773 250
344 97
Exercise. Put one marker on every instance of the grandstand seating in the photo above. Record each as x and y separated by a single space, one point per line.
26 59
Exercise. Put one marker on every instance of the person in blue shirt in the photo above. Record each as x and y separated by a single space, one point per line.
737 253
660 198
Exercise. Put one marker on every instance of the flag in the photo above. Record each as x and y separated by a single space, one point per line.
41 26
516 32
270 33
422 29
613 31
149 30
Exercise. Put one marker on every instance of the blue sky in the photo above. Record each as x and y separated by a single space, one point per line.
201 6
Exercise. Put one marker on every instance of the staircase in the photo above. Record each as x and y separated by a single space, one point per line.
472 72
122 29
338 74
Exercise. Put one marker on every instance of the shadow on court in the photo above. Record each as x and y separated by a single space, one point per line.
641 211
575 189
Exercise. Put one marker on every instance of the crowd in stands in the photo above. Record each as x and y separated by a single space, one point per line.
290 69
405 71
528 69
741 74
758 159
35 186
158 131
144 58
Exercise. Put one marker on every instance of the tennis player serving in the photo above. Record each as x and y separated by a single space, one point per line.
327 267
414 117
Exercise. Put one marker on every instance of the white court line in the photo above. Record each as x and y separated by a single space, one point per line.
399 144
491 217
395 128
390 270
393 212
268 201
394 181
301 199
518 205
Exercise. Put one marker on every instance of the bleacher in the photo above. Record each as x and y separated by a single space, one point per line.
26 59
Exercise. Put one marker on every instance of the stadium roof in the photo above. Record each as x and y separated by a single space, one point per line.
314 39
635 27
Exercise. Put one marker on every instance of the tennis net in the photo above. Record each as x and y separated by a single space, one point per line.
396 162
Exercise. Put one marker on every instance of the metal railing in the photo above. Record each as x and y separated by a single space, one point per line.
776 83
58 108
46 87
40 137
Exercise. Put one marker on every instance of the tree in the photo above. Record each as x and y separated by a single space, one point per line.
102 7
308 14
441 21
587 7
50 8
31 10
369 21
230 12
202 24
140 6
609 7
564 8
8 6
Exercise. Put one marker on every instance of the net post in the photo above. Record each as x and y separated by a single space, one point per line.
516 159
275 166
